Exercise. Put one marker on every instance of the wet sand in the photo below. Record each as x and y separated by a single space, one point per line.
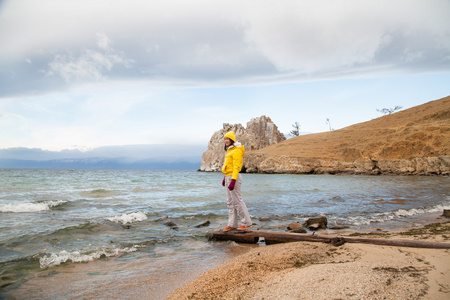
305 270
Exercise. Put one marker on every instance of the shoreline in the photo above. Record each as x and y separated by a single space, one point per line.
309 270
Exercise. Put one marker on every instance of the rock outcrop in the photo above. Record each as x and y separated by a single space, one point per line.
260 132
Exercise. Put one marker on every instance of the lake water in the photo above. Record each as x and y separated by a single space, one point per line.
95 233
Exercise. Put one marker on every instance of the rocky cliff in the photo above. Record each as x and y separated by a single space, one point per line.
260 163
413 141
259 133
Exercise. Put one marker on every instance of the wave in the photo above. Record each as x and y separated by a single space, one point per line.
129 218
393 215
56 259
30 206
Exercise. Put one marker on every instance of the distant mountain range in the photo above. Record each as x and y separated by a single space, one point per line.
151 157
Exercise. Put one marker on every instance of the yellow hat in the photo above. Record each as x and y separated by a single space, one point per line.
230 135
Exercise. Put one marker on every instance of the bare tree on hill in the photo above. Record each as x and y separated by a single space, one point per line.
296 130
388 111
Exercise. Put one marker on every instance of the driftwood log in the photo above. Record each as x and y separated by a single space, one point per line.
274 237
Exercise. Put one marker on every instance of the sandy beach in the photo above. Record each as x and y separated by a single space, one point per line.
305 270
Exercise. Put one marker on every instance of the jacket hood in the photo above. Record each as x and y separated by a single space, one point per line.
238 146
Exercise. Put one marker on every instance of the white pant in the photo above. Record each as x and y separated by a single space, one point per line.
235 204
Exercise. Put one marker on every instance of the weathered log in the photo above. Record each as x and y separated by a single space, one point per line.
237 236
270 237
339 227
299 230
397 243
273 237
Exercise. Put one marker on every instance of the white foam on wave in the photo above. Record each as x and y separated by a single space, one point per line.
129 218
401 213
56 259
30 206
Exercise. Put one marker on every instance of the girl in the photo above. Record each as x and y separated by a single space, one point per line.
233 181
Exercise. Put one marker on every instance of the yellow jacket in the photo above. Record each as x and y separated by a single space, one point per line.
233 160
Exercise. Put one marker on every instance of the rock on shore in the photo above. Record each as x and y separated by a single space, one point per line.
259 133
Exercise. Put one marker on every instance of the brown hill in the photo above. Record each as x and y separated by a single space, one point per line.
419 132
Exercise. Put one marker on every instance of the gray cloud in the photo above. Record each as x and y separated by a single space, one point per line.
90 65
50 45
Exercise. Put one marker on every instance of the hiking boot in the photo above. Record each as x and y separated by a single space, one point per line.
242 227
228 228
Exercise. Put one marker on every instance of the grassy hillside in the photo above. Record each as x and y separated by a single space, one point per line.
421 131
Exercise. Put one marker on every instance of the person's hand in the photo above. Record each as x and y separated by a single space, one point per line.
223 182
231 185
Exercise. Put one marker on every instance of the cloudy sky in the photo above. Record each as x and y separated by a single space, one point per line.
91 73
